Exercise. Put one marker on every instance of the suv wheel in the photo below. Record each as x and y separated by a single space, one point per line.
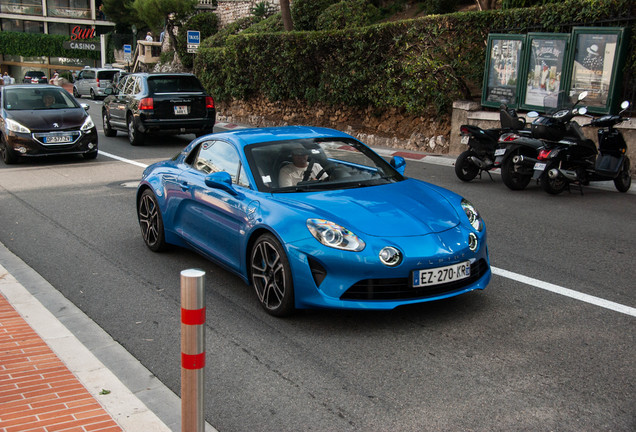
135 137
93 95
75 92
108 131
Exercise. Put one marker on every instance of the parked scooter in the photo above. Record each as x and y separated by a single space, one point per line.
521 151
579 162
482 145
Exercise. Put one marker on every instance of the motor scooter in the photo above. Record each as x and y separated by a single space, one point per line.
579 161
483 143
518 153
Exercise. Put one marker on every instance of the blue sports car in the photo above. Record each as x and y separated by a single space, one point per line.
312 218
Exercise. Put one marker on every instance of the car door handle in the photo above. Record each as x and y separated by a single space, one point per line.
185 186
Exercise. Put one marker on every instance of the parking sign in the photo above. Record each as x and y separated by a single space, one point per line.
194 38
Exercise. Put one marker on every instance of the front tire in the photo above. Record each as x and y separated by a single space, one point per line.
511 178
151 222
624 179
8 156
464 168
108 131
76 93
135 137
553 186
90 155
271 277
93 97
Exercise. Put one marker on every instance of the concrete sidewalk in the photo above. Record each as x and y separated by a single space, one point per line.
50 380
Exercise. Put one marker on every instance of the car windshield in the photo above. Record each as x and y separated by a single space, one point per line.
20 98
174 84
305 165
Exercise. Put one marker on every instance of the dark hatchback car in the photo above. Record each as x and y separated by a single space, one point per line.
145 104
35 77
44 120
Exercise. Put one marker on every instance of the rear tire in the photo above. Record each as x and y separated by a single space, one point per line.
514 180
464 168
553 186
151 222
624 180
93 97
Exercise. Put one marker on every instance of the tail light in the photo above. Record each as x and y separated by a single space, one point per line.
209 102
146 104
543 155
508 137
97 81
464 131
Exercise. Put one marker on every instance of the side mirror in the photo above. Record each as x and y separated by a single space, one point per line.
583 95
85 106
221 180
624 105
399 163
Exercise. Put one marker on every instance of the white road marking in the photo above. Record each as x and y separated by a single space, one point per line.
597 301
617 307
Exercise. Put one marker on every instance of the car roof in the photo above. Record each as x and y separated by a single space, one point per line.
245 137
31 86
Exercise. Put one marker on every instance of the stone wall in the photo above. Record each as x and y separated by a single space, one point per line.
229 11
388 128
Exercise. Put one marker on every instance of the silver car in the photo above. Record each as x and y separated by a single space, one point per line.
93 82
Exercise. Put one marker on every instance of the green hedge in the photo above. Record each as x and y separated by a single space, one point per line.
421 65
38 44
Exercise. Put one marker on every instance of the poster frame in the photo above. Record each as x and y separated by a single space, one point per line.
489 71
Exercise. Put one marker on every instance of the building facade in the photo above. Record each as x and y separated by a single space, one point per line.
60 17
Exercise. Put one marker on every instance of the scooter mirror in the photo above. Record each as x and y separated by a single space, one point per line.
625 105
582 111
533 114
582 95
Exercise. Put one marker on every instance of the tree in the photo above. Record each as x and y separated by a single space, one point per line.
156 13
486 4
287 20
121 13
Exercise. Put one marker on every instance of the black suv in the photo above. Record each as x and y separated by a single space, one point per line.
146 103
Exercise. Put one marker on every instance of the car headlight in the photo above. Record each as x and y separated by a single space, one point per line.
14 126
335 236
88 124
472 214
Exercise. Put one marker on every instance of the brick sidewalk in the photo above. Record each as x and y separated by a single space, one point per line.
38 393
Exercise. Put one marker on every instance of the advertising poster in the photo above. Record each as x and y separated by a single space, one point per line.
593 67
545 69
503 71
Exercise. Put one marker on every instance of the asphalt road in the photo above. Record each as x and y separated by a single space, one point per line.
513 357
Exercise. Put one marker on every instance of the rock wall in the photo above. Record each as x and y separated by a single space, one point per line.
229 11
389 128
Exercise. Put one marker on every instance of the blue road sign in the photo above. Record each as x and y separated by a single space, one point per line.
194 37
127 49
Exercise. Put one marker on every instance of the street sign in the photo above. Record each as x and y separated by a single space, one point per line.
194 39
127 52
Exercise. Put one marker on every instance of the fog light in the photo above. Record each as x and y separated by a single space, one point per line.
91 146
22 150
473 243
390 256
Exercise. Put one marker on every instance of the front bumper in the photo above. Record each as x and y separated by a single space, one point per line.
32 144
329 278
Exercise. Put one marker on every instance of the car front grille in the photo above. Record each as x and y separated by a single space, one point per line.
45 137
401 289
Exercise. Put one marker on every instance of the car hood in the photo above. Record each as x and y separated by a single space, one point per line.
406 208
42 120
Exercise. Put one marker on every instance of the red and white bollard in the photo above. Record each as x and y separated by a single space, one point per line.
192 350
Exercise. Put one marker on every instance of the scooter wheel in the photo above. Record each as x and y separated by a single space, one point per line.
553 186
513 179
464 168
624 179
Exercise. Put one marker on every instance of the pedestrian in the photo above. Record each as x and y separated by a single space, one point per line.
6 79
148 37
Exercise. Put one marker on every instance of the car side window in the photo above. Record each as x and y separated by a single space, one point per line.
137 87
122 84
216 156
128 87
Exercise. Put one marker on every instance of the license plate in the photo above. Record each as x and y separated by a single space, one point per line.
465 139
57 139
539 166
500 152
441 275
181 109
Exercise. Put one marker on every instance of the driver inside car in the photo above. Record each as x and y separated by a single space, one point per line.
293 173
